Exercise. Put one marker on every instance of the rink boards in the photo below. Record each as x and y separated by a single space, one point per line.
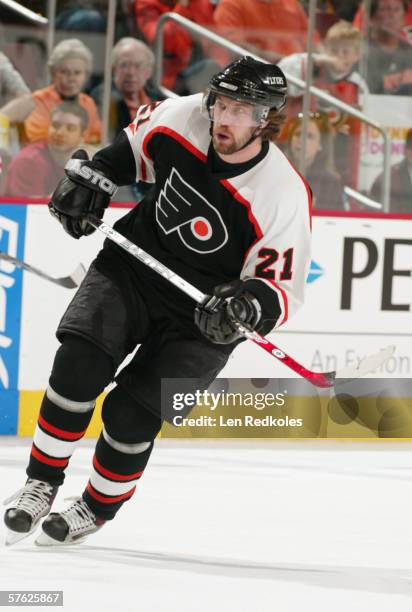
358 300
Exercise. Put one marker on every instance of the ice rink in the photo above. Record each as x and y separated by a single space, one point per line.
235 527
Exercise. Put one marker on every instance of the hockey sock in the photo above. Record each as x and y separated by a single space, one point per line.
116 469
60 426
80 373
119 462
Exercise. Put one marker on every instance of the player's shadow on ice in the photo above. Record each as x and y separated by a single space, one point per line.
394 581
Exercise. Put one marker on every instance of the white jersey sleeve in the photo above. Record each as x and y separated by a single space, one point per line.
280 258
170 117
146 118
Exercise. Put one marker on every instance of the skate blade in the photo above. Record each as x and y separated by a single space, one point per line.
45 540
12 537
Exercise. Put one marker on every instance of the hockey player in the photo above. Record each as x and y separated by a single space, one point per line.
228 213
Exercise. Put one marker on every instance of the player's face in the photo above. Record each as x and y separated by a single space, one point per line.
233 125
312 145
65 132
69 77
130 72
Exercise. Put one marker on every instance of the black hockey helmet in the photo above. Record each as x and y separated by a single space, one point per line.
251 81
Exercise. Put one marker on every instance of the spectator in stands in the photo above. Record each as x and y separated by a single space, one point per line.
389 60
335 72
270 29
12 87
132 65
178 46
70 64
5 159
343 9
84 17
360 22
36 170
318 167
91 16
346 9
12 84
401 182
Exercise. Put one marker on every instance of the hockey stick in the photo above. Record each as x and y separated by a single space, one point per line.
318 379
70 282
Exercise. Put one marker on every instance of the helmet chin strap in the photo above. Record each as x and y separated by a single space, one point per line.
255 135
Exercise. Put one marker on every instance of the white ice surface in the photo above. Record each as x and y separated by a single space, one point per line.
235 528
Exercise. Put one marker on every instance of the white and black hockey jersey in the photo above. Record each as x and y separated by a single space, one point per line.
208 220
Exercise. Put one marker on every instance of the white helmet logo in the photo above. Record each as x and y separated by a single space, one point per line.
276 80
228 86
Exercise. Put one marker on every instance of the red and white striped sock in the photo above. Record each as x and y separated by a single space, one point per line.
117 467
61 424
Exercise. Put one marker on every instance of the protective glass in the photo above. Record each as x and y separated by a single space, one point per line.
236 113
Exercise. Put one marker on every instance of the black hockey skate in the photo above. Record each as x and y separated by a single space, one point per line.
34 502
72 526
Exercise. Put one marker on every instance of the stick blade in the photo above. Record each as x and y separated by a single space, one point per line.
75 279
368 364
79 274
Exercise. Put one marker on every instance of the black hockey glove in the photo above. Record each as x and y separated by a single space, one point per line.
82 191
215 316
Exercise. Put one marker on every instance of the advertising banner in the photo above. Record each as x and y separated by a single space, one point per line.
358 301
394 113
12 238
